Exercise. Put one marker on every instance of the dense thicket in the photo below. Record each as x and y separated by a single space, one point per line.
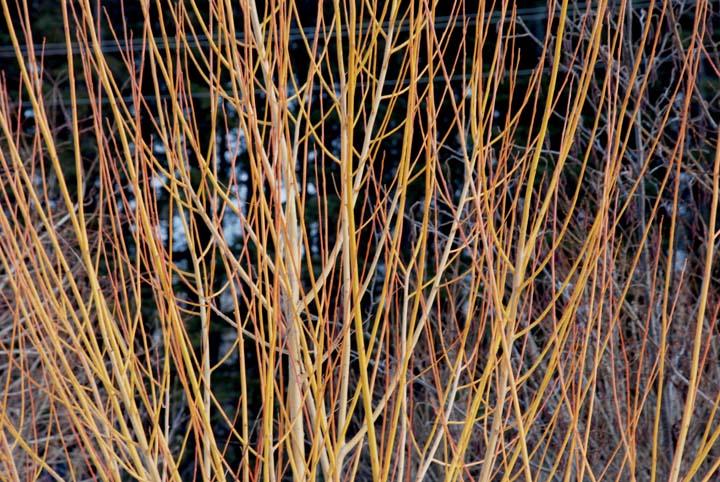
302 240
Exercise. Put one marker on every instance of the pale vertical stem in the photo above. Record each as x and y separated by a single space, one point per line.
347 232
245 426
524 250
289 245
269 394
204 287
362 160
204 351
346 303
291 249
351 294
344 381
